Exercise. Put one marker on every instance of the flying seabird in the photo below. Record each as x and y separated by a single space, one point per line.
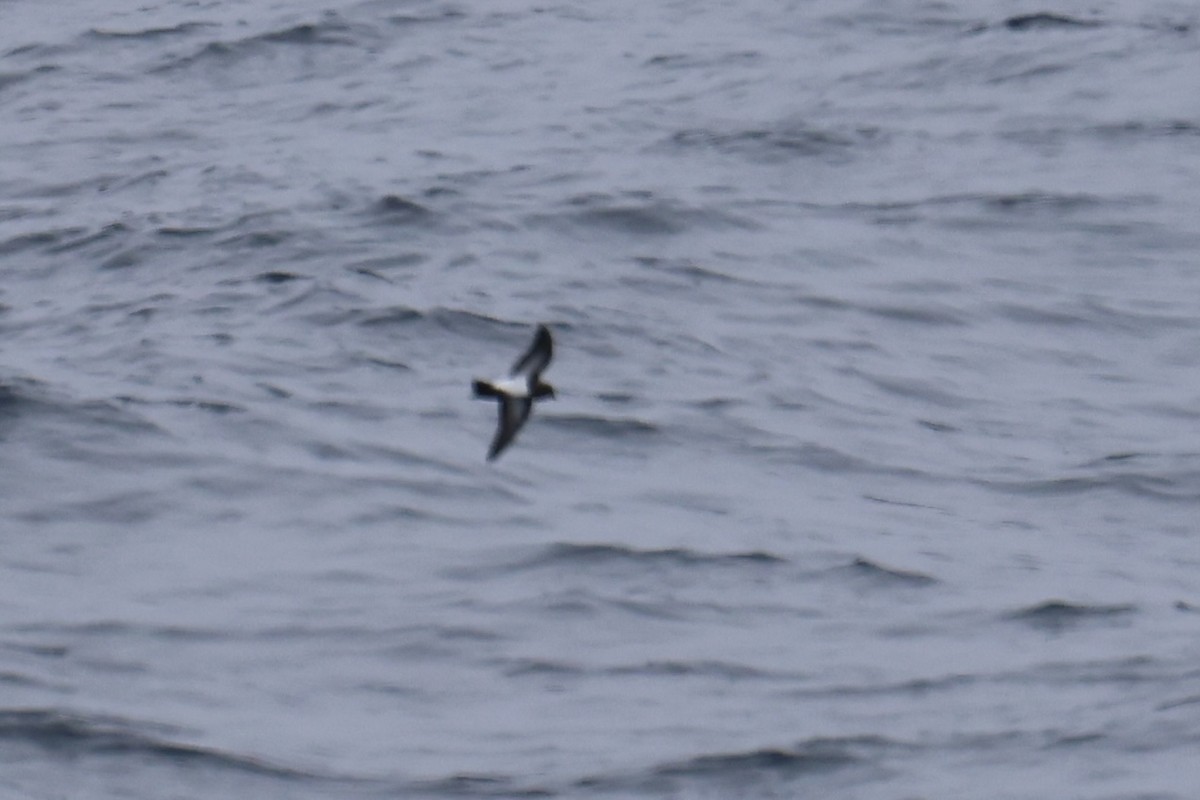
517 391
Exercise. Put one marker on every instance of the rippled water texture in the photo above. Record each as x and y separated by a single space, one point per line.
872 473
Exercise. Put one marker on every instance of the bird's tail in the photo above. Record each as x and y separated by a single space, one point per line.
484 389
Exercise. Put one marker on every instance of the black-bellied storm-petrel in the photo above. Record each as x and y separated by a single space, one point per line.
518 390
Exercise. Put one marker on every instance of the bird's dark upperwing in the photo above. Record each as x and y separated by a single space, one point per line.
513 413
537 356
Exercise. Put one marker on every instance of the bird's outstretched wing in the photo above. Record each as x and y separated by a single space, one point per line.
513 413
537 356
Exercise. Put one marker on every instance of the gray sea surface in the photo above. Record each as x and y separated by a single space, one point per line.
873 473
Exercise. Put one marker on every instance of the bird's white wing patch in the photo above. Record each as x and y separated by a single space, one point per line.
513 386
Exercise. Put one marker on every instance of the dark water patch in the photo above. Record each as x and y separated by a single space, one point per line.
616 398
736 766
306 38
927 315
619 559
400 210
330 31
379 266
1180 703
22 50
997 209
765 772
1059 740
701 669
12 400
118 508
1050 486
42 50
476 785
698 274
73 735
124 259
1114 133
444 14
466 323
275 277
149 34
39 650
15 212
1126 671
1059 615
182 232
691 60
590 555
8 79
274 391
567 604
1041 202
581 604
1048 21
114 629
827 459
367 272
636 214
347 409
1016 72
1167 128
43 240
702 502
537 667
891 501
923 391
211 406
257 239
644 221
658 610
885 577
386 363
402 514
1031 315
915 21
29 396
1175 482
96 184
916 687
1139 324
777 143
602 427
692 272
715 403
150 177
1179 484
108 233
8 678
409 641
315 302
397 210
789 403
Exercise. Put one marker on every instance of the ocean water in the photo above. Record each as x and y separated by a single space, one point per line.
873 472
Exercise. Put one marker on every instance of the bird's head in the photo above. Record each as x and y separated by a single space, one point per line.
542 390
